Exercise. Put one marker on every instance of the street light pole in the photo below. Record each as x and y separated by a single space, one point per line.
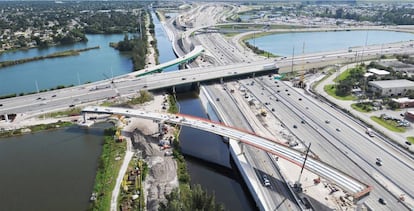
293 56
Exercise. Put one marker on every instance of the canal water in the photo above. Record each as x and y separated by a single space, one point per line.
50 170
284 44
165 50
89 66
206 156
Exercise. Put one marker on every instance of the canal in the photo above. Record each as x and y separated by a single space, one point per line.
50 170
286 44
89 66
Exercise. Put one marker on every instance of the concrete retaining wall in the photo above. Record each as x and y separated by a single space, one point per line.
235 152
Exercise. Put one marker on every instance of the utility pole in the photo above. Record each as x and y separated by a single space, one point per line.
363 49
303 166
254 39
293 56
140 28
37 86
79 79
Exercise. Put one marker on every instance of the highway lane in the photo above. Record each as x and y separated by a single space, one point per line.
320 124
277 195
307 62
154 81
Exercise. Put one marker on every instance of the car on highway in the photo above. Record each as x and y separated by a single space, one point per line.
337 129
71 105
327 121
379 163
382 201
53 95
294 126
266 181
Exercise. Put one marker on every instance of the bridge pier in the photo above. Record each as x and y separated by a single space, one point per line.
160 128
241 147
253 75
84 116
173 90
6 117
221 80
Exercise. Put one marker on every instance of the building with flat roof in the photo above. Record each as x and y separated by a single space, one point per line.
391 88
378 72
404 102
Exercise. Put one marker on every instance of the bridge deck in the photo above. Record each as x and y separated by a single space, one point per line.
352 185
194 53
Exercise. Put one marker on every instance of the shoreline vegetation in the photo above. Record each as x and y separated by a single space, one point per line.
49 56
109 164
34 128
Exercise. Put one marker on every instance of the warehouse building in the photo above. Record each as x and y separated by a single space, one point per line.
391 88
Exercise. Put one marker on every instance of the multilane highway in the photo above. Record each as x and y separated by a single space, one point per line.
340 140
59 99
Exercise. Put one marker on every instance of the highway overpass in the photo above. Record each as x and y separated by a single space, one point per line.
351 185
191 55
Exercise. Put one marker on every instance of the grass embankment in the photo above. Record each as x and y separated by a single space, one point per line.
331 90
410 139
34 128
173 108
64 113
50 56
108 169
144 96
344 75
363 107
389 124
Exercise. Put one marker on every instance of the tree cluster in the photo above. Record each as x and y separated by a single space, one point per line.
137 47
356 77
195 199
398 16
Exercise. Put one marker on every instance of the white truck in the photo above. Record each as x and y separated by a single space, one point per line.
271 66
370 132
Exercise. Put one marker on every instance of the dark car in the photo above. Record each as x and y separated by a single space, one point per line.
71 105
382 201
